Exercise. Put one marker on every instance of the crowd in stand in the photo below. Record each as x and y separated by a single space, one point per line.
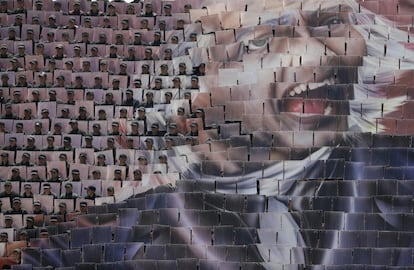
92 94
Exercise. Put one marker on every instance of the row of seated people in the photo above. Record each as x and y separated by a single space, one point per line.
87 157
16 117
74 27
143 170
99 37
45 193
62 51
104 125
73 104
98 8
93 82
44 205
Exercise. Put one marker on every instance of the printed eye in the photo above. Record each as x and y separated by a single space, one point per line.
331 20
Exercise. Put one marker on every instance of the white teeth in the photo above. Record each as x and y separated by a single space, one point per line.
303 87
315 85
328 110
298 89
311 86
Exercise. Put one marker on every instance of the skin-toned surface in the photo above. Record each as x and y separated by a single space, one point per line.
293 107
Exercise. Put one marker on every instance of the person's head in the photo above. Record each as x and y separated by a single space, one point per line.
115 83
130 143
123 113
8 186
144 24
91 190
4 237
149 142
27 188
119 38
23 236
88 140
137 83
5 78
130 10
41 160
149 97
57 127
137 37
172 128
101 158
182 68
69 186
180 111
96 174
12 141
90 96
62 206
78 80
110 143
168 54
115 127
98 81
118 174
87 22
148 8
180 24
145 69
110 191
47 188
67 141
83 158
26 155
83 207
43 233
169 143
45 113
157 36
17 204
113 49
163 159
96 128
164 69
94 51
148 54
52 95
8 223
34 176
86 66
137 174
15 173
101 115
111 9
94 6
37 206
123 67
123 159
85 37
54 173
158 83
73 124
125 24
142 160
168 97
4 157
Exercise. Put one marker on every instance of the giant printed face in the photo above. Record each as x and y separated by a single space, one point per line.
314 71
297 80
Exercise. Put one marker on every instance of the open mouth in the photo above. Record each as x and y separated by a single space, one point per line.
309 99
